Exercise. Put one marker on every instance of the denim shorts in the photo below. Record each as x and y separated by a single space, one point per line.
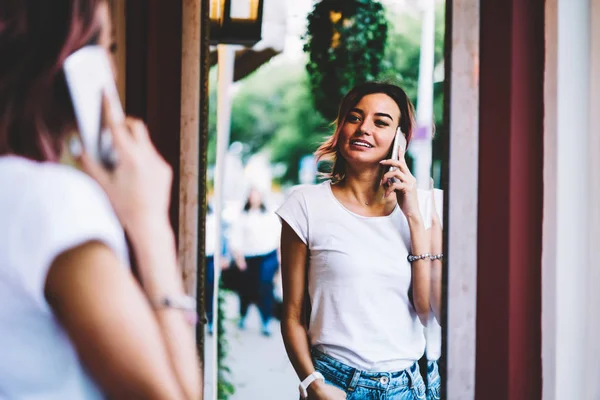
433 381
366 385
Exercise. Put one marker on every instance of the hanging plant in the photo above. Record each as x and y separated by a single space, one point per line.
345 42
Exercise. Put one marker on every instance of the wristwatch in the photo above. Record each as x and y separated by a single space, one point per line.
306 383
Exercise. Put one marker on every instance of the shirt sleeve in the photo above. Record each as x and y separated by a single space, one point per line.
439 203
63 212
295 213
426 207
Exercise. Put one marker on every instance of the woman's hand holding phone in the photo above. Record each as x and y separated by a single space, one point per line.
139 185
399 179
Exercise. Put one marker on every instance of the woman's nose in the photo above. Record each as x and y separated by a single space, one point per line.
366 127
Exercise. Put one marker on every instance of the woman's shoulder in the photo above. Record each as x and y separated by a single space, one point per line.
70 179
53 189
28 177
310 191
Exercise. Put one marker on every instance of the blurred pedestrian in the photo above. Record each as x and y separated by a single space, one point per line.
209 290
254 245
210 247
74 322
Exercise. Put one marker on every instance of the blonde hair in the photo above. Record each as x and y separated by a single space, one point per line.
328 151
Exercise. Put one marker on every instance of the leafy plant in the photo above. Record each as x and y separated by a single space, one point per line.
345 42
225 387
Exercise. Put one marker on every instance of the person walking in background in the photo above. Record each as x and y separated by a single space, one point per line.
74 322
209 289
254 244
210 248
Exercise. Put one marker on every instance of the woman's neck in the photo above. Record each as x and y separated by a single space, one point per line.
364 187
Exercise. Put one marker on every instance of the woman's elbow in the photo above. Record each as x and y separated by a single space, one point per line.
422 307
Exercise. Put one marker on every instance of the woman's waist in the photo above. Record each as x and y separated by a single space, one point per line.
379 358
330 365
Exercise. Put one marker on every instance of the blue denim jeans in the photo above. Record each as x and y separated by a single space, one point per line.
433 381
365 385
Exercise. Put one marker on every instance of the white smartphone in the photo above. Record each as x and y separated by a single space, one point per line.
89 77
399 146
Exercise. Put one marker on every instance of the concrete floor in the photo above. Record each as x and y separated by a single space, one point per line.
260 369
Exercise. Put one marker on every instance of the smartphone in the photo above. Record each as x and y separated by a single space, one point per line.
89 78
399 146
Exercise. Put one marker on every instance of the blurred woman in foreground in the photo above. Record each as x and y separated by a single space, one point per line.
74 323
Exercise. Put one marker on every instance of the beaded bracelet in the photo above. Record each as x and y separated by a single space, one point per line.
411 258
187 304
437 257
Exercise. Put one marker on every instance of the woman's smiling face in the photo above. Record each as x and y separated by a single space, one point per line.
368 131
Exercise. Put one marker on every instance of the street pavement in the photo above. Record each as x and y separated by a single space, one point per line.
260 369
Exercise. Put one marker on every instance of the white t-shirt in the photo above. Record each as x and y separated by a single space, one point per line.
210 242
255 233
45 209
358 280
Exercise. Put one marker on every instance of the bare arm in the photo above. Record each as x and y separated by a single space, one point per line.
436 265
421 273
111 324
88 289
293 268
401 181
294 254
155 251
436 271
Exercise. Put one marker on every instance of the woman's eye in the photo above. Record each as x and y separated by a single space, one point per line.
353 118
381 123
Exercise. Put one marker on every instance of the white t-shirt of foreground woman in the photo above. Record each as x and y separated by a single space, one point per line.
45 210
358 280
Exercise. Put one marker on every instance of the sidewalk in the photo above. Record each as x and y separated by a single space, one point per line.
260 369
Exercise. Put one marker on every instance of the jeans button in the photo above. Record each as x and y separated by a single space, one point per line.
384 380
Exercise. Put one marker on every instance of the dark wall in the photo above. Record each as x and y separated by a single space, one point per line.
153 78
508 364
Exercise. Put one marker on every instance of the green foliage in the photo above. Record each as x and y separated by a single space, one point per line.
345 43
401 61
224 386
273 111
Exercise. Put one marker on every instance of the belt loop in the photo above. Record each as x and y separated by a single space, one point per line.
412 371
354 381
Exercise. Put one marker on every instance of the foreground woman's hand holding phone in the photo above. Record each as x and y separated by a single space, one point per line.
133 347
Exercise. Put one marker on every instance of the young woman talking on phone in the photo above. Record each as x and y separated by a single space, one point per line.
355 249
74 323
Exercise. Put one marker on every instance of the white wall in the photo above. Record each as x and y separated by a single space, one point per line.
570 350
592 363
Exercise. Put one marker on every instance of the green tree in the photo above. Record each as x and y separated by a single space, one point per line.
273 111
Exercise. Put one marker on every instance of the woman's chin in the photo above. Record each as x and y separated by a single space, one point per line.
363 163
